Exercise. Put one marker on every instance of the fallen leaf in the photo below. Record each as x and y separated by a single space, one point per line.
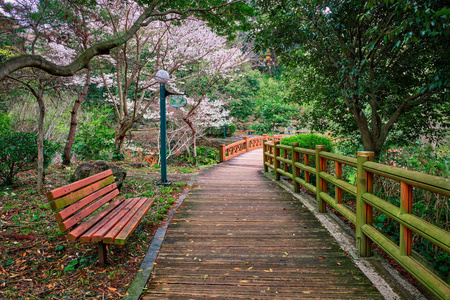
321 257
237 268
112 289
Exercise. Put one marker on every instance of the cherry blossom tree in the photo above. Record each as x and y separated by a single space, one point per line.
225 16
186 50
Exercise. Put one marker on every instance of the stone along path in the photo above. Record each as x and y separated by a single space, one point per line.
239 235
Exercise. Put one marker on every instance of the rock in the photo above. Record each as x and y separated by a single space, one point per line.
139 164
88 169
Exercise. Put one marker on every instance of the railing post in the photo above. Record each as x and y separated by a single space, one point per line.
363 210
285 156
307 164
222 152
295 170
266 168
405 208
338 191
320 183
276 162
246 143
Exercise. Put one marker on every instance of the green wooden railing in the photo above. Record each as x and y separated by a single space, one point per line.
366 201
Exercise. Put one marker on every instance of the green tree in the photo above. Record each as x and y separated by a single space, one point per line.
375 66
272 107
243 92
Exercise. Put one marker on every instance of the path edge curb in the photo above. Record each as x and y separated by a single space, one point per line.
136 288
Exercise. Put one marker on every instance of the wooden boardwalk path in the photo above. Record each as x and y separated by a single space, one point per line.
239 235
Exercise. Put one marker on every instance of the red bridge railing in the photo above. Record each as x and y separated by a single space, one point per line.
227 152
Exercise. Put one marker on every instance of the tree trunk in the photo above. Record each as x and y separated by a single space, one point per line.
40 142
73 121
194 140
121 134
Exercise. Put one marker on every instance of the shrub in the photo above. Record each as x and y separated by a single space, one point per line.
5 123
207 156
95 139
260 129
18 152
308 141
230 129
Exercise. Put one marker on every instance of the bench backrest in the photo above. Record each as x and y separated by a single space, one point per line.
77 201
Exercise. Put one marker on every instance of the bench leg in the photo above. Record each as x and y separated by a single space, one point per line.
102 257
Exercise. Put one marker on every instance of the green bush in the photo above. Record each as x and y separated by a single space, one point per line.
230 129
95 138
5 124
207 156
260 129
308 141
18 152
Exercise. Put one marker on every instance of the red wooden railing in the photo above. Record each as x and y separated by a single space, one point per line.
227 152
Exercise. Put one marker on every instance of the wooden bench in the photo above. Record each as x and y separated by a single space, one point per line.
89 210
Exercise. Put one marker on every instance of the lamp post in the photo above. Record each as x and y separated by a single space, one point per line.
163 77
224 135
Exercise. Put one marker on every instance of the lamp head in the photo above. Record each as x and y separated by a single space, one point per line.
162 76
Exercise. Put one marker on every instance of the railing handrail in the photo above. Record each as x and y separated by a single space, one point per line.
366 233
227 152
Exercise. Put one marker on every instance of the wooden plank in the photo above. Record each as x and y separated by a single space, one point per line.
123 235
111 222
64 190
85 226
259 243
111 234
71 209
87 236
81 193
88 210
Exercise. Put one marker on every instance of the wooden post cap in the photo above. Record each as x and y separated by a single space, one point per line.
366 153
222 145
295 144
322 147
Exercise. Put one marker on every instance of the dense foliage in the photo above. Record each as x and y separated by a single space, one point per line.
372 70
308 141
230 129
95 137
18 152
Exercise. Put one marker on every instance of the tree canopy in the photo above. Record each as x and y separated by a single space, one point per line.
224 17
376 66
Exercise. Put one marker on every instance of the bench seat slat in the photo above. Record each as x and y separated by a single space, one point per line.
100 234
87 236
85 226
67 189
71 209
111 234
79 194
123 235
87 211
